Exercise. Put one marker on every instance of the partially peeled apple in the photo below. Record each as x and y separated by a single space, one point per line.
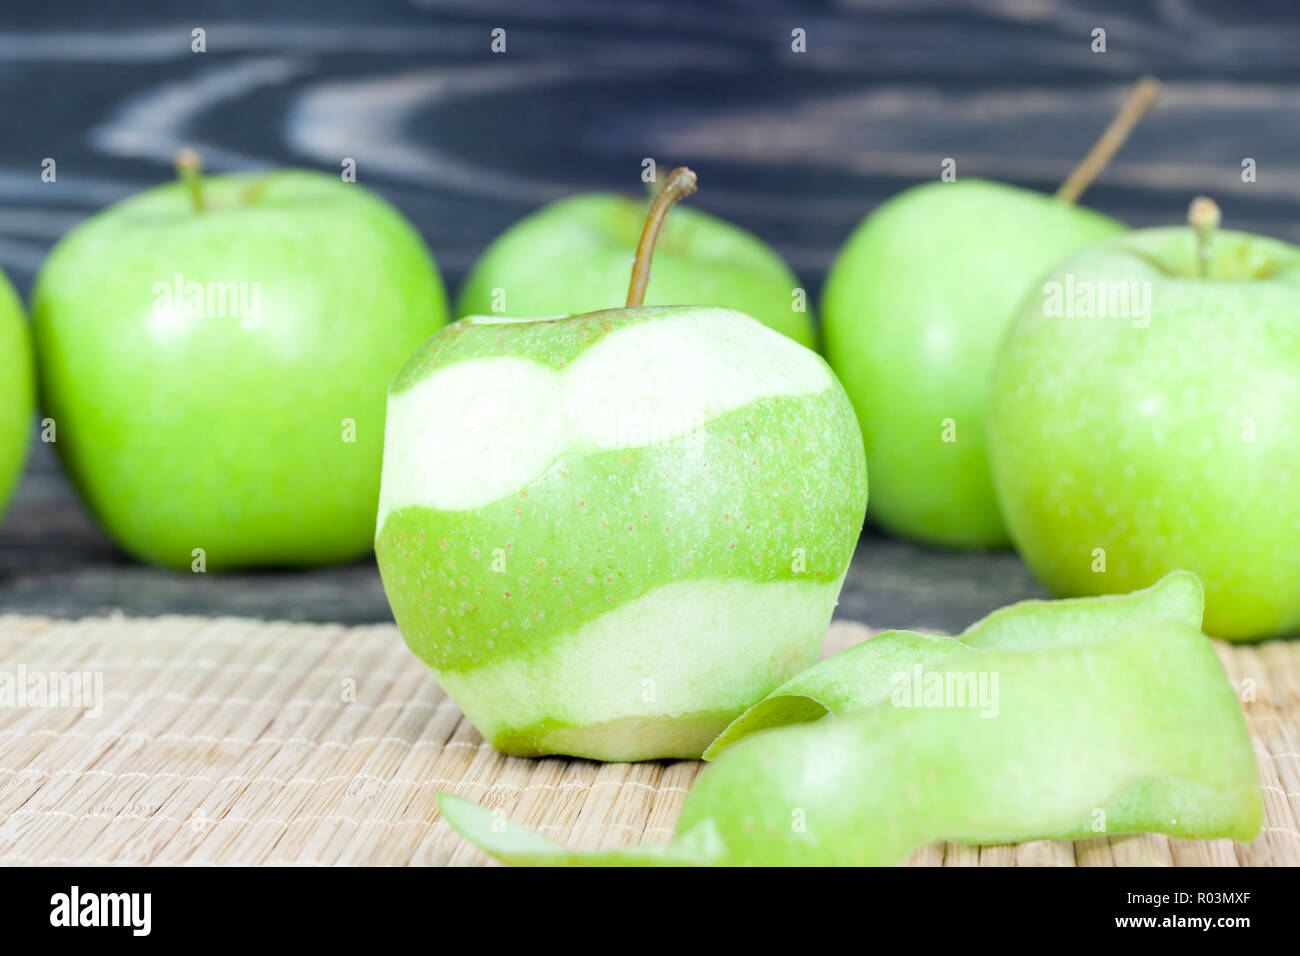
609 534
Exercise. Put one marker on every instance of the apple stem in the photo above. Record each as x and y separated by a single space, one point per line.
1136 104
1204 216
189 168
680 183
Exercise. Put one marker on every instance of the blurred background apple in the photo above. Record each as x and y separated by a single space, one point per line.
572 257
16 397
216 355
800 119
1168 438
913 338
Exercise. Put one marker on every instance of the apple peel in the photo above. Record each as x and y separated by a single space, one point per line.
851 680
517 845
862 675
1134 731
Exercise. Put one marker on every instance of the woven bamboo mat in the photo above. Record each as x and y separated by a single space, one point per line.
225 741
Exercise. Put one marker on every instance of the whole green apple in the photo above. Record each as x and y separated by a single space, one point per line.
16 390
573 255
912 313
1143 418
215 353
609 534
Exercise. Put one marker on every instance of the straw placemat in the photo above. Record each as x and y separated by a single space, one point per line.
225 741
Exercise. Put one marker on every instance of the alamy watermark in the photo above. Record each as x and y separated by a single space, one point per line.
209 300
977 690
1088 299
75 908
39 689
645 423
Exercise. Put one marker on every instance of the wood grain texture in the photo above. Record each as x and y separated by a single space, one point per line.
796 147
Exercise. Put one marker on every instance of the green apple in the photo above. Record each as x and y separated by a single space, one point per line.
1143 417
609 534
16 390
912 312
573 256
215 354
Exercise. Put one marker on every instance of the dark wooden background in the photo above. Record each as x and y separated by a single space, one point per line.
796 147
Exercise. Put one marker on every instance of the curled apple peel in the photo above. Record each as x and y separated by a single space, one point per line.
1121 721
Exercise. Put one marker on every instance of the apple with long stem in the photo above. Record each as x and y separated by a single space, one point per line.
571 257
609 534
1143 417
913 310
16 390
215 353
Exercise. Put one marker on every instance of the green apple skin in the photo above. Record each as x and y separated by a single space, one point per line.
17 390
573 255
610 534
228 433
1172 444
912 311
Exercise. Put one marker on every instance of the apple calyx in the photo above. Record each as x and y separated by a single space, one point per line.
189 169
680 183
1142 98
1204 216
